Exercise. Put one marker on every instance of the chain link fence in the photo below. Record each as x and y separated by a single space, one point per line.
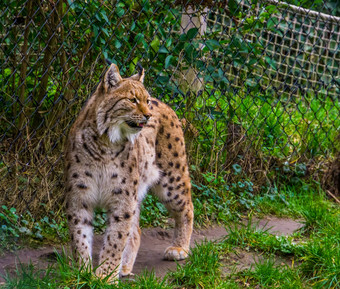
255 83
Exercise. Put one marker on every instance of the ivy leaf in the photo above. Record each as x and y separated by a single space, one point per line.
237 169
117 44
272 22
120 11
106 32
103 13
271 9
271 62
191 34
163 49
168 60
139 38
168 42
212 44
155 44
233 7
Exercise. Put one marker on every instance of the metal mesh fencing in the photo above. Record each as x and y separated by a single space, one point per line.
300 49
255 84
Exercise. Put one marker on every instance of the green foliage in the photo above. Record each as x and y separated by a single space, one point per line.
319 256
211 200
286 130
320 253
276 136
249 236
314 251
146 31
321 261
291 129
8 227
99 220
148 280
216 200
16 227
201 270
66 274
328 7
153 213
267 274
278 128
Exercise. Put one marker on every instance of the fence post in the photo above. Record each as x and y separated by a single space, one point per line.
192 18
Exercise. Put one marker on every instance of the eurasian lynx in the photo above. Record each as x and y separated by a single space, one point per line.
124 143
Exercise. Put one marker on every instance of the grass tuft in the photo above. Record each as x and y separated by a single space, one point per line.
201 270
267 274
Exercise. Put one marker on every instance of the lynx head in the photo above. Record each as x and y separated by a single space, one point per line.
124 106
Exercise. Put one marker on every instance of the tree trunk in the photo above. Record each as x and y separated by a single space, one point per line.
24 62
51 41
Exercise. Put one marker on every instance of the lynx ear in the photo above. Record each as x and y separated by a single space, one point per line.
140 75
111 78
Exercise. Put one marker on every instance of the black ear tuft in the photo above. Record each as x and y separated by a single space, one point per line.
140 75
140 68
108 61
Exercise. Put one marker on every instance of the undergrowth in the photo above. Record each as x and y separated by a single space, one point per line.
16 229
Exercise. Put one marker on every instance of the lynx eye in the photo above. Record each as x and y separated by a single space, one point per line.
134 100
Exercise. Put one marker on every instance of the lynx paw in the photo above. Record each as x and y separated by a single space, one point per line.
175 253
111 279
126 271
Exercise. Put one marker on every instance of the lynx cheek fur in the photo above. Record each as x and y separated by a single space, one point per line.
123 144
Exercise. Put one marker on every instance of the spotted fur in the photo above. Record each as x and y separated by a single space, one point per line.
123 144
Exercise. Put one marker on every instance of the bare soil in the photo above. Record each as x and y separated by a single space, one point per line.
153 243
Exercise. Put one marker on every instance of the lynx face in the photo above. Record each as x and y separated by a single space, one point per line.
124 143
125 109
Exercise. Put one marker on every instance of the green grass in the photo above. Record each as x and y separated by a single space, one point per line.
316 247
267 274
299 201
312 254
202 268
66 274
250 237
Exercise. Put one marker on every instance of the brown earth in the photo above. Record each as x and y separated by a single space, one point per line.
153 243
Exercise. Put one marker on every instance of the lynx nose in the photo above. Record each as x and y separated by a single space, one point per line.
147 116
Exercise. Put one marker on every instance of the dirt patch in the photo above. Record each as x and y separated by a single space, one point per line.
150 256
278 226
241 259
154 242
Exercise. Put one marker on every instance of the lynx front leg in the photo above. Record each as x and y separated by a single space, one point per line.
116 236
81 231
132 246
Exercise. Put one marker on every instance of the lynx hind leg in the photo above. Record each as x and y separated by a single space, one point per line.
183 229
176 196
132 247
81 231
